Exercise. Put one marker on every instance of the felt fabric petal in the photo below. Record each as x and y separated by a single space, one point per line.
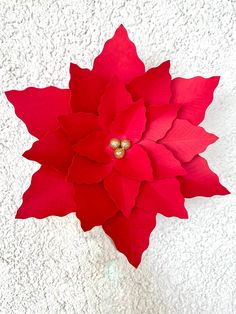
53 150
114 100
122 190
164 197
200 180
94 146
85 171
195 95
160 120
131 234
49 194
154 86
186 140
86 89
39 108
130 123
78 125
94 206
119 58
163 162
135 165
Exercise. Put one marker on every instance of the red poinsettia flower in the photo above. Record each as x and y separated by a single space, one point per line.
119 146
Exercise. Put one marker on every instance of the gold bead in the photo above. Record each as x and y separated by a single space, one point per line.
125 143
114 143
119 153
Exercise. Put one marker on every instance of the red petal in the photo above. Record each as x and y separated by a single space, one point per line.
160 120
94 146
53 150
78 125
195 95
39 108
86 89
200 180
94 205
122 190
48 195
114 100
119 58
131 234
85 171
130 123
187 140
135 165
164 164
164 197
154 86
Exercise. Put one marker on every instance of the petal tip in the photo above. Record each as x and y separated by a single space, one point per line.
121 29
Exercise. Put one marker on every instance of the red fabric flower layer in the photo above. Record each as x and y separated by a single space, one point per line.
119 146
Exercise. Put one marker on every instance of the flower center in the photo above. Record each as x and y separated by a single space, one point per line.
120 146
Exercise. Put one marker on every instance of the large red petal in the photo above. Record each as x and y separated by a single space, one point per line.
200 180
187 140
94 206
135 164
39 108
78 125
154 86
119 58
53 150
86 89
86 171
163 196
48 195
195 95
164 164
131 234
114 100
130 123
160 120
94 146
122 190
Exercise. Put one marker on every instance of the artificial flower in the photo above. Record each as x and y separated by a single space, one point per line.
119 146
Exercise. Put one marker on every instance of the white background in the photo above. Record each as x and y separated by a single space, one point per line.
51 266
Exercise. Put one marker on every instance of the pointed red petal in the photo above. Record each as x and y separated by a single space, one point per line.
195 95
39 108
154 86
78 125
94 206
48 195
130 123
85 171
122 190
164 197
119 58
114 100
135 165
94 146
131 234
200 180
160 120
53 150
186 140
164 164
86 89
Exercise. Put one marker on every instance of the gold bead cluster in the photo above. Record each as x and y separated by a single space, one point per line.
120 146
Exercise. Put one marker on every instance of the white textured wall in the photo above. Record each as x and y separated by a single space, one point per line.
50 266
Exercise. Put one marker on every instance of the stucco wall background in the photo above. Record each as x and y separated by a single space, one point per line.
51 266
